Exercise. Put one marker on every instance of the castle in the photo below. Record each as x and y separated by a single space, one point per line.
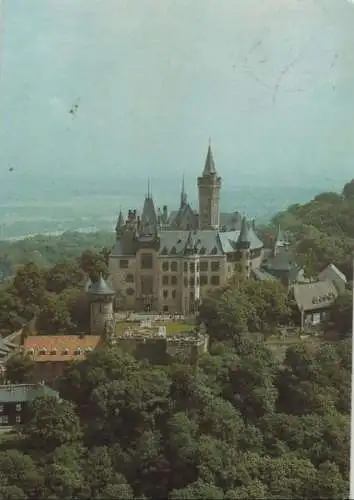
165 262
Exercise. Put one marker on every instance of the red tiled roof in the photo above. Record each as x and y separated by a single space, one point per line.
61 347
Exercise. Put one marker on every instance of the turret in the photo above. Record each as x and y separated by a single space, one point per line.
101 298
243 245
120 225
209 185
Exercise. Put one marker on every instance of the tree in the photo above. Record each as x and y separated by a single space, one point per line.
63 275
54 316
93 264
19 368
341 313
52 423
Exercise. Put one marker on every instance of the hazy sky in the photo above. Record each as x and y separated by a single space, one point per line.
270 81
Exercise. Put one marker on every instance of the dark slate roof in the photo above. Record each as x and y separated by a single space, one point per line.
209 167
185 216
210 242
331 272
24 393
284 260
314 296
120 221
148 215
244 233
100 287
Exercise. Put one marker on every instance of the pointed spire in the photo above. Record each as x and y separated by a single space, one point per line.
149 187
183 194
209 167
243 239
120 223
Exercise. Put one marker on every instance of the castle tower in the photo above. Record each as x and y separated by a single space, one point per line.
209 185
190 297
101 307
243 246
120 225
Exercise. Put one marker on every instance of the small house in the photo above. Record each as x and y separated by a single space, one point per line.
15 398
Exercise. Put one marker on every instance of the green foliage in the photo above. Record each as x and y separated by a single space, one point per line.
245 306
19 368
52 423
322 230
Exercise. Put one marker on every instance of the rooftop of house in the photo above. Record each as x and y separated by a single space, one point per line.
23 393
333 273
315 296
54 348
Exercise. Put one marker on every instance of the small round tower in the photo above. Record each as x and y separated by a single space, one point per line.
101 298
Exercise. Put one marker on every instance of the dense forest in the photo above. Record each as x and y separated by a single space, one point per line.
239 424
236 425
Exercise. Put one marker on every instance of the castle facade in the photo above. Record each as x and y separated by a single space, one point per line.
165 261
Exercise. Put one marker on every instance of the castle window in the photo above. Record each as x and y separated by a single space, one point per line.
129 278
165 309
191 281
165 280
18 419
174 293
165 294
185 282
146 261
185 267
173 280
215 266
203 280
174 266
215 280
192 267
204 266
214 251
165 266
130 291
18 407
173 250
147 285
124 264
1 408
164 251
202 251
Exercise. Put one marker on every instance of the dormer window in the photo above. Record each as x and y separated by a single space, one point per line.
202 251
53 351
43 350
173 250
78 350
164 251
214 251
65 350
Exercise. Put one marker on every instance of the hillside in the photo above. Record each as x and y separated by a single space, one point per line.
322 230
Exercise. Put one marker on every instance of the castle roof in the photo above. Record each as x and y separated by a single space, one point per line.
100 287
210 242
148 221
209 167
244 237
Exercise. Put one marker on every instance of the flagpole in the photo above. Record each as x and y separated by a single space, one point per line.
351 476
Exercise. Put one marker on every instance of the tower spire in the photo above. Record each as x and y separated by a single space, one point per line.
149 187
183 193
209 167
